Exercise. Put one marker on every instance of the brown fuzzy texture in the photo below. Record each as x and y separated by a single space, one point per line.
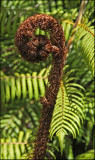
37 48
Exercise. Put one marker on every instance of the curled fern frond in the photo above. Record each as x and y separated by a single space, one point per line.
36 48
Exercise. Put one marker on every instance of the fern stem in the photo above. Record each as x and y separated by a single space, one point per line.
78 20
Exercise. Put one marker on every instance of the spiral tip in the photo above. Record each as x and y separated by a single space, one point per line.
33 48
36 48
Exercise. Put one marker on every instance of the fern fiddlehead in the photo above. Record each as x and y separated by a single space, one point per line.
35 48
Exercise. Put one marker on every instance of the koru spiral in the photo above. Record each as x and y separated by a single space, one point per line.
36 48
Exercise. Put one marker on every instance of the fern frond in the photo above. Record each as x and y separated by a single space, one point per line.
86 45
12 148
67 27
21 86
68 111
13 115
87 155
20 147
11 17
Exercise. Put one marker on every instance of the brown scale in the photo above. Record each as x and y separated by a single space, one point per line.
36 48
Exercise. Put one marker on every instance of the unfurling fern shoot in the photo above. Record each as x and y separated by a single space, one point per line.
36 48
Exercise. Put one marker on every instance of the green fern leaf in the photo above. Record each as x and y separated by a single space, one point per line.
86 45
87 155
68 111
23 86
12 148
